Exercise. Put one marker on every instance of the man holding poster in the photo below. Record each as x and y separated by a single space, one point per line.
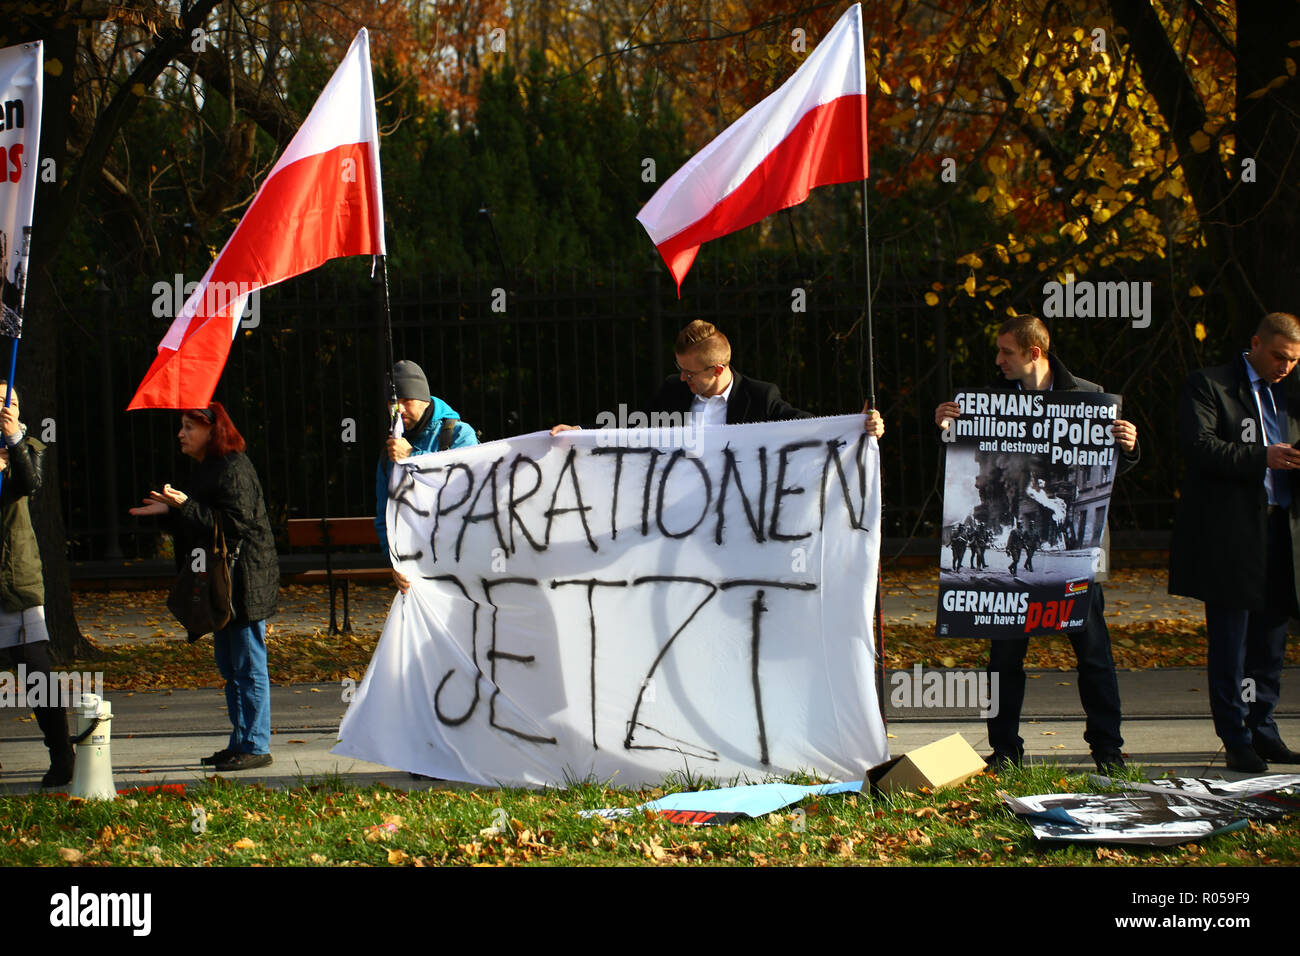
1036 466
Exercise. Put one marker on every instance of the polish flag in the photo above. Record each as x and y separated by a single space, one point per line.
810 132
321 200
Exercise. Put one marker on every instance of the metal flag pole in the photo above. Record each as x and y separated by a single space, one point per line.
871 347
16 332
388 331
871 400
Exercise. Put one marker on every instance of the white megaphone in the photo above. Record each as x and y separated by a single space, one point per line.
92 775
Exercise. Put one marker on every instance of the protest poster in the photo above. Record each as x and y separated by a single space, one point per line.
21 80
1139 818
1027 487
630 603
1268 797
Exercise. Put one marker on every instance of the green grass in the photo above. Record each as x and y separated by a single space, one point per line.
326 822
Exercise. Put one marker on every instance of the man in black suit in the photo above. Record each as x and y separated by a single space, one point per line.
709 388
1237 530
1025 363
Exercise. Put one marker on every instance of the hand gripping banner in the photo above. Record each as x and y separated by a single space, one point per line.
629 603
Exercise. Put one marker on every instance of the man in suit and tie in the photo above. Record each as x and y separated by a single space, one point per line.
707 387
1237 530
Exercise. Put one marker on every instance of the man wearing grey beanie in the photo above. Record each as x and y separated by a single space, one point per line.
429 424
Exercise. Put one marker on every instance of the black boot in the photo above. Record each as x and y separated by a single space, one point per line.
53 722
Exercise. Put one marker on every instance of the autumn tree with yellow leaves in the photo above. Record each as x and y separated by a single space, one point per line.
1133 135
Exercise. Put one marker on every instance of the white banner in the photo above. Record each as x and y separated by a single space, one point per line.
620 603
20 137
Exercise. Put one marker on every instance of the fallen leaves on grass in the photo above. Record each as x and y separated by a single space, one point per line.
314 658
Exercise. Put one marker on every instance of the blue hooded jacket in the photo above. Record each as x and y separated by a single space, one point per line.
426 440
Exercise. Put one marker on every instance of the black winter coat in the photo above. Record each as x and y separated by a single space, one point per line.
227 487
1217 553
21 583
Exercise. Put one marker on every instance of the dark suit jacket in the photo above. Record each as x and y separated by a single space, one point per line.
1217 553
750 401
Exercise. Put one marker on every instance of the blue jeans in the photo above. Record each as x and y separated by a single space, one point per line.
241 660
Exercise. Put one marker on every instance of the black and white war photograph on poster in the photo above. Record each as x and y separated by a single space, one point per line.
1027 488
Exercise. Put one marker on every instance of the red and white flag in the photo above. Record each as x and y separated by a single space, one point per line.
322 200
810 132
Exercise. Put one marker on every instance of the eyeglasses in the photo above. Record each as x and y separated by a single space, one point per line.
690 375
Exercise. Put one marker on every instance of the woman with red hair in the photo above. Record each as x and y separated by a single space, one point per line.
224 488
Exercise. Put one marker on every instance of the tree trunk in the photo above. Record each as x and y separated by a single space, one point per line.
38 353
1263 213
1250 226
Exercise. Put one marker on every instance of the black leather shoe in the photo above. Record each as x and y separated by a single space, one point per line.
242 761
1109 760
1245 760
224 754
1276 752
1002 760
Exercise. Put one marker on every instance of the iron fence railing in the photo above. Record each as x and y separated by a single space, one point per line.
514 355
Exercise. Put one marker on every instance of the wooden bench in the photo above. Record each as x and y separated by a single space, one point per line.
331 533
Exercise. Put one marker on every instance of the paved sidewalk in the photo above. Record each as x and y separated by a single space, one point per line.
159 736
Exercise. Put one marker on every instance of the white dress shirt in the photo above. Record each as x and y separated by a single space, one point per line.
713 410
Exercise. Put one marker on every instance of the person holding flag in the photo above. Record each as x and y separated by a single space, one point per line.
428 424
22 587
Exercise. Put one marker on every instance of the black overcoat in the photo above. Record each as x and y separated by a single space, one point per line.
1220 530
227 486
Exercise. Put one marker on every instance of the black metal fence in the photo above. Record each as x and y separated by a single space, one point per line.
515 355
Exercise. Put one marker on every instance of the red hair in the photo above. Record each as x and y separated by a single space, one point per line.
225 437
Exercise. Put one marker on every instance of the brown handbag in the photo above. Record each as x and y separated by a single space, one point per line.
203 600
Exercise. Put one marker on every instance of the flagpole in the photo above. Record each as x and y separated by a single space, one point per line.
871 398
388 331
866 250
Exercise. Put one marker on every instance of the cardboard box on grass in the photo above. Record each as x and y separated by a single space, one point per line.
944 763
